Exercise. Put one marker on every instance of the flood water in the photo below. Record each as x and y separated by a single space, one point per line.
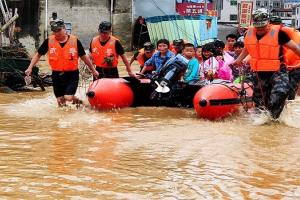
143 153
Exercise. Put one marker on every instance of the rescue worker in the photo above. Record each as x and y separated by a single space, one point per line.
263 42
177 46
105 50
63 52
143 55
291 59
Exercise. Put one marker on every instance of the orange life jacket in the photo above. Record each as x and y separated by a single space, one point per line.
264 52
105 56
141 57
63 59
172 48
291 58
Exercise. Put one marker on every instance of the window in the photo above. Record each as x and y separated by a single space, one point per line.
233 2
276 4
265 3
233 17
258 3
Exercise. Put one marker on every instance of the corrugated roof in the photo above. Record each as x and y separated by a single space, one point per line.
193 29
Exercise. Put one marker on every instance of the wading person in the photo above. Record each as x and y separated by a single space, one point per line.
143 55
264 43
105 50
291 59
63 52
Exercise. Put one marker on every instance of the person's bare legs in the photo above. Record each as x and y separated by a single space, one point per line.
61 101
74 99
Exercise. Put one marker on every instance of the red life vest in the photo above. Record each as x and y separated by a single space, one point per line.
105 56
264 52
63 58
141 57
291 58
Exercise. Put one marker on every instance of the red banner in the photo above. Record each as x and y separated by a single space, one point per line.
245 14
191 9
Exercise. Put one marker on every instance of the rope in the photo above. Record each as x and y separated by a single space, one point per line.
85 76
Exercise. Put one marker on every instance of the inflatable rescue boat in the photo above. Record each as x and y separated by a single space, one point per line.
214 101
219 100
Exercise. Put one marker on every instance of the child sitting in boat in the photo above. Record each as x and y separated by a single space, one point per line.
198 54
191 75
174 68
158 58
209 67
244 69
224 72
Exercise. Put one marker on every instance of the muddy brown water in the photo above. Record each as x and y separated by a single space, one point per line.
143 153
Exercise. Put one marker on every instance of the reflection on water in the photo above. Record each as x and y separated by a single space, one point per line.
143 153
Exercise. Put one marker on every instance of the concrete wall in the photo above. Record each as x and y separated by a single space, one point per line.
83 15
122 22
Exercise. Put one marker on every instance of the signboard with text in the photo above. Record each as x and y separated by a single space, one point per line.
245 13
193 7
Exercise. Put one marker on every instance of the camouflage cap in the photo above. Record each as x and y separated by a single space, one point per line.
178 43
57 25
148 46
276 20
260 17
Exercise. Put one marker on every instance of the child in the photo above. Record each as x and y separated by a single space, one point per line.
198 54
224 71
160 57
191 74
207 51
236 71
209 67
173 69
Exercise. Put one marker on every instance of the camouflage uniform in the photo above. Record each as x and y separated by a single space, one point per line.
271 90
294 76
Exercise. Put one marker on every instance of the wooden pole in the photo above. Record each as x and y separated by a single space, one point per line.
4 12
11 20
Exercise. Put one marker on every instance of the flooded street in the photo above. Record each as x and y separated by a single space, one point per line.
142 153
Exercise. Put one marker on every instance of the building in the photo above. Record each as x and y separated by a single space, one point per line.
294 5
296 16
83 18
227 11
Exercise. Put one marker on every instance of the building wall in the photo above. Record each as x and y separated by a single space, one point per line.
297 16
122 22
85 17
228 10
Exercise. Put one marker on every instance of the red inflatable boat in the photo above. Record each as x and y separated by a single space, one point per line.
219 100
124 92
109 93
214 101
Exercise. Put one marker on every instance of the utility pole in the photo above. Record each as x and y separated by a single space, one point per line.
205 7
